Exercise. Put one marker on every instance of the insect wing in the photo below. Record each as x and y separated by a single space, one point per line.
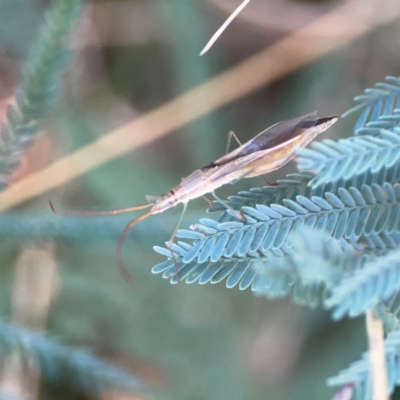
242 167
280 133
259 157
271 137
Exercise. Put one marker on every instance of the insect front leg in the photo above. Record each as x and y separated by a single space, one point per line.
230 135
238 214
171 241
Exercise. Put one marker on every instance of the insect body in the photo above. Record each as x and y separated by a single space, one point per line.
266 152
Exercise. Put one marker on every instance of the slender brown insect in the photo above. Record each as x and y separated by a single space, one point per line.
268 151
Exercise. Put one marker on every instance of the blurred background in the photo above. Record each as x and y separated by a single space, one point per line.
130 58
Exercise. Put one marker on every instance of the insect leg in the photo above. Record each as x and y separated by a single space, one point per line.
210 203
171 240
269 183
230 134
238 214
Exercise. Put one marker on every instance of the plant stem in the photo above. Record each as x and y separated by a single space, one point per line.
377 354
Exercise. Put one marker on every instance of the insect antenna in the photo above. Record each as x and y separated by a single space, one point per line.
96 213
120 262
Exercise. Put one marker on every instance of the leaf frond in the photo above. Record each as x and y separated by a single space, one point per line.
378 280
346 158
298 184
358 373
381 242
38 88
385 121
292 185
388 312
383 99
62 364
349 214
315 264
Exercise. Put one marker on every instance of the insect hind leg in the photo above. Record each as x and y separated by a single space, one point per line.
210 203
269 183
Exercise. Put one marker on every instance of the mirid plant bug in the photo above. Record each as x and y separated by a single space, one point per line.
268 151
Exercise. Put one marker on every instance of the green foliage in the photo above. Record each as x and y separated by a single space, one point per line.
299 184
38 89
35 95
343 159
358 373
351 214
378 105
62 364
377 281
329 234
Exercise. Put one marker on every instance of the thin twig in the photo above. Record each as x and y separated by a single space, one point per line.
278 60
377 357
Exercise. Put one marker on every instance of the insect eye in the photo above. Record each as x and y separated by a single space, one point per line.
171 198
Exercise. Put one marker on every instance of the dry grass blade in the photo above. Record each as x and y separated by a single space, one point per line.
35 285
221 29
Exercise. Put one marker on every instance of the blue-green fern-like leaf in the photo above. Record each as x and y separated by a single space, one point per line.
381 241
307 272
298 184
343 159
349 214
292 185
359 372
62 364
317 261
37 90
264 280
259 254
386 121
377 102
348 196
388 312
377 281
